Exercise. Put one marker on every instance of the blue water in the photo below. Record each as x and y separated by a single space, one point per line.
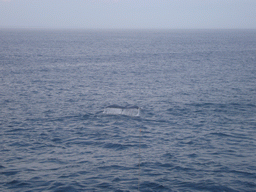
196 90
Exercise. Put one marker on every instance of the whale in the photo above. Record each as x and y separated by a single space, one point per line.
119 110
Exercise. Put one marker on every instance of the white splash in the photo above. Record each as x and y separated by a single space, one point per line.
118 110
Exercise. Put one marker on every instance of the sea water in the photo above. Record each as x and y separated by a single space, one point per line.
196 90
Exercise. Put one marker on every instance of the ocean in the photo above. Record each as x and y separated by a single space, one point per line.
65 124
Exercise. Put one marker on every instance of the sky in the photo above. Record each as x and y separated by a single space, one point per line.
128 14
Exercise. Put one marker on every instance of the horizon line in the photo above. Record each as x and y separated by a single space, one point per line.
99 29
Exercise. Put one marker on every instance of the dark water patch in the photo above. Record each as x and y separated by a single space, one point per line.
115 167
105 186
57 161
155 165
68 118
183 168
119 190
219 134
9 173
251 105
87 116
166 165
193 155
245 174
179 111
16 130
20 144
153 186
250 185
232 136
116 179
168 156
49 112
83 172
143 146
56 185
116 146
83 143
68 175
13 182
205 186
223 108
1 167
17 185
49 118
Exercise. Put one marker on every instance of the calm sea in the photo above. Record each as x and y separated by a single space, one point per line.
196 90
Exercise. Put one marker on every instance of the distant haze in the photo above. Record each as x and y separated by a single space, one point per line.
128 14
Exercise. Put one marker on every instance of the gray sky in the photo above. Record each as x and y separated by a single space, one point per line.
128 14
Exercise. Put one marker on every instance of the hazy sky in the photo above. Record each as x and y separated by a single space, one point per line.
139 14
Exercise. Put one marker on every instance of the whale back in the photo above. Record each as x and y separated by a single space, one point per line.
119 110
